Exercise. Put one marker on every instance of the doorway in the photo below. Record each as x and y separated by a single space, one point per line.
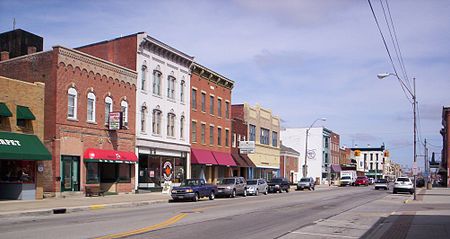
70 173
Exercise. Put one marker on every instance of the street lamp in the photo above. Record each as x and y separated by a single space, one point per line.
305 166
413 96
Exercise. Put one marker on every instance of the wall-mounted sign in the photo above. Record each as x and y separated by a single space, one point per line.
247 147
115 120
167 171
311 154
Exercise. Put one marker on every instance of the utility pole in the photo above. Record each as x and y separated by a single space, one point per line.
425 161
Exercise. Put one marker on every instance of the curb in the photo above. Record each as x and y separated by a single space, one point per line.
93 207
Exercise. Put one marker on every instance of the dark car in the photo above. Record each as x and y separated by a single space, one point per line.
420 182
362 180
194 189
278 185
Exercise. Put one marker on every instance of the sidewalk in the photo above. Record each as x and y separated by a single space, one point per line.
49 206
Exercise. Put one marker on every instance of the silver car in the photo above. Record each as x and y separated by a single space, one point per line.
230 187
256 186
306 183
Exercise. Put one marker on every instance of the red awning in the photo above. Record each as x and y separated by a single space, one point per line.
109 156
201 156
224 159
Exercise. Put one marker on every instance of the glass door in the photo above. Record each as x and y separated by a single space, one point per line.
70 173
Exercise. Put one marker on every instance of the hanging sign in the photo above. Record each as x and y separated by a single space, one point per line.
167 171
115 120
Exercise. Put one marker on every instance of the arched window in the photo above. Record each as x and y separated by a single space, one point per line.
144 78
108 108
171 124
124 109
182 85
143 117
72 103
90 107
171 86
157 81
156 121
182 127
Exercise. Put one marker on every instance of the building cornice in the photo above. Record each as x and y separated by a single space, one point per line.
211 75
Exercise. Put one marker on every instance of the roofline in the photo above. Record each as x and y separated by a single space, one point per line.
164 45
213 72
110 40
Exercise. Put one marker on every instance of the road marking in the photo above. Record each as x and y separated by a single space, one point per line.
97 206
164 224
323 235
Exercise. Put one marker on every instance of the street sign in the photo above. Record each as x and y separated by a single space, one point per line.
414 169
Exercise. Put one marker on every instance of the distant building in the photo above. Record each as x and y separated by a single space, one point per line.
370 161
239 130
444 169
18 42
345 156
289 164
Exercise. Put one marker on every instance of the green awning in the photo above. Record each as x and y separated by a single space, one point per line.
24 113
14 146
4 111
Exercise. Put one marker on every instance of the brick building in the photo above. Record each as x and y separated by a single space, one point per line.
210 124
162 135
24 160
18 42
289 162
335 167
84 96
239 133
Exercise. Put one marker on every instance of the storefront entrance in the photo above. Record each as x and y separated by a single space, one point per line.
70 173
154 170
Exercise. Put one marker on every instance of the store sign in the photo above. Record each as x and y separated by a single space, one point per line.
167 171
311 154
10 142
115 120
247 147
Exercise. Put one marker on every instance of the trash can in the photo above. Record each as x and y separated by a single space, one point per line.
429 185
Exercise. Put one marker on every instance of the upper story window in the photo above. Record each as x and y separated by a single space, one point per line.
194 99
157 82
143 118
264 137
182 127
156 122
202 132
108 108
124 109
211 135
274 139
227 137
144 77
90 107
171 87
194 131
203 102
171 125
227 109
182 86
72 103
219 107
211 104
219 136
327 142
24 116
252 132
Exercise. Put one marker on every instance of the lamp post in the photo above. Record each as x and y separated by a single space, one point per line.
305 166
413 96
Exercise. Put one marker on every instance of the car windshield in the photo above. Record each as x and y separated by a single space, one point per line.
361 178
304 180
252 182
227 181
381 181
276 180
190 182
346 177
403 179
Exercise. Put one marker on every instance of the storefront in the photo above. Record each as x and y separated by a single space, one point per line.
211 165
111 170
21 168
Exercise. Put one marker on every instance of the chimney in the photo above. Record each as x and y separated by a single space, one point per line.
31 50
4 55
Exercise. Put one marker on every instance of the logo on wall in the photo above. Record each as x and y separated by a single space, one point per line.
311 154
167 171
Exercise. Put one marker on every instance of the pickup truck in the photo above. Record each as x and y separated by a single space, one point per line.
194 189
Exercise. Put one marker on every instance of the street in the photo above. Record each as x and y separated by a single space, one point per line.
347 212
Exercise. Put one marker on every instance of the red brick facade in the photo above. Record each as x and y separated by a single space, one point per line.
335 152
61 69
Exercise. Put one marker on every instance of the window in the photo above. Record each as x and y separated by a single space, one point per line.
227 109
143 117
211 104
156 122
194 131
90 107
219 136
194 99
144 78
274 139
124 109
219 107
124 172
203 99
233 140
252 136
92 173
203 129
171 125
182 85
108 108
182 127
211 134
171 87
157 82
326 142
264 137
227 137
72 103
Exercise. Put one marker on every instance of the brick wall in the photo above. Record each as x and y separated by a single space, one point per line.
291 165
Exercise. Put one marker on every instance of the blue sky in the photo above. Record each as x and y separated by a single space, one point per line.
302 59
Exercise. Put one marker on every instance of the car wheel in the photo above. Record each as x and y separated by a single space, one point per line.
196 197
266 192
233 193
257 192
287 190
212 195
395 191
245 193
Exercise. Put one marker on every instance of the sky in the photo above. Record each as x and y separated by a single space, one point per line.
303 59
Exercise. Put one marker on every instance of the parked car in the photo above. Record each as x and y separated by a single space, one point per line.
382 183
371 181
362 180
403 184
256 186
194 189
307 182
230 187
420 182
346 180
279 185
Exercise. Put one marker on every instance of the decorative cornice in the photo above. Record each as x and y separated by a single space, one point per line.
211 75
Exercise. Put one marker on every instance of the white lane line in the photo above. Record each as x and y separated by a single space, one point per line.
323 235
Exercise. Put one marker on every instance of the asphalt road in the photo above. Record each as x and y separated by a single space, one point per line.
264 216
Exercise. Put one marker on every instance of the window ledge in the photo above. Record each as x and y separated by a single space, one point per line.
144 92
91 122
157 135
171 100
171 137
73 119
157 96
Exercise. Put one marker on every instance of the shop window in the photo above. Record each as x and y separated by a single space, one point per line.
124 173
108 172
17 171
92 174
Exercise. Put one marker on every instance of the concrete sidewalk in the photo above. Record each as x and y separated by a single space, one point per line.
69 204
